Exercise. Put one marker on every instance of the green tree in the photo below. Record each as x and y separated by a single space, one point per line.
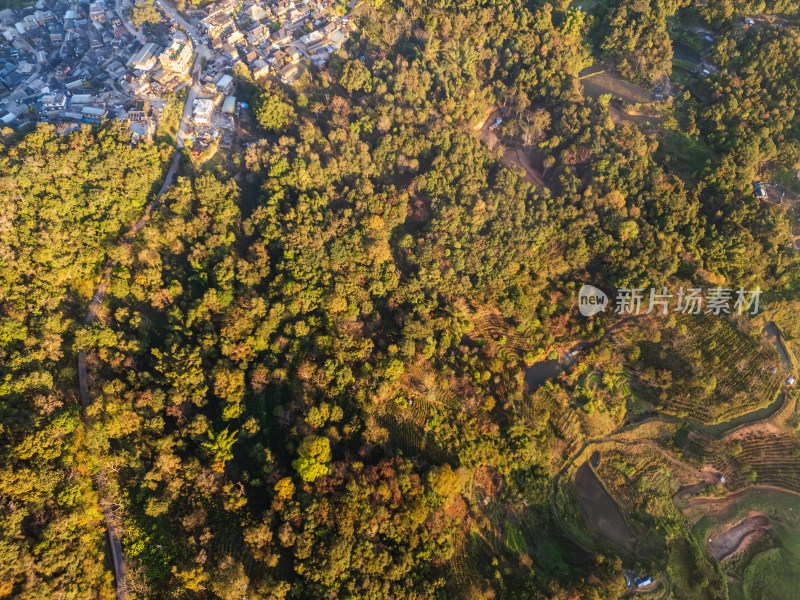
315 458
272 112
220 447
144 11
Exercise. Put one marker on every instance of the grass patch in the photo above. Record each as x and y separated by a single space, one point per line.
786 177
686 65
688 154
167 128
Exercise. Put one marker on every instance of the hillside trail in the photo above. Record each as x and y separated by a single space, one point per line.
113 526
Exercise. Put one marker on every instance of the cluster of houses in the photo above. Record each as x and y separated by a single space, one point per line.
273 38
80 61
55 57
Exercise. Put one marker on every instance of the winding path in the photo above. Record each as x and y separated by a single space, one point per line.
511 155
86 399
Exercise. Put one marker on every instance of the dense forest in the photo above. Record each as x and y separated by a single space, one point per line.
307 369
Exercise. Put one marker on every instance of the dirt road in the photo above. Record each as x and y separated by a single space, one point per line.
511 155
774 336
86 399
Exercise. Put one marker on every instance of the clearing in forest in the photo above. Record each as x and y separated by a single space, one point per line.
597 81
511 155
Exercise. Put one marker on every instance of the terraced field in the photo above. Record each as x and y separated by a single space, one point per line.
491 326
764 460
718 371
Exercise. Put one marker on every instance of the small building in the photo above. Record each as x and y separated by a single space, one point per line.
257 34
97 11
224 82
145 59
81 99
118 27
282 6
93 111
50 101
229 106
203 109
136 115
643 581
216 23
256 12
74 84
141 130
277 58
139 87
289 74
260 68
758 190
281 37
790 381
338 37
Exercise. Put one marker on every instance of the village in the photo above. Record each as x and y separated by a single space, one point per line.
69 62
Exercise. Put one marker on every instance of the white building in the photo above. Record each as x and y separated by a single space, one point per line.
224 82
229 106
203 109
260 68
81 99
54 101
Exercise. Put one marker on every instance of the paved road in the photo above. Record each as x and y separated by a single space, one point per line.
175 15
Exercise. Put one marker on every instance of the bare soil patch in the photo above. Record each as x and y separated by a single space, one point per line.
487 481
511 155
601 513
736 538
604 82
